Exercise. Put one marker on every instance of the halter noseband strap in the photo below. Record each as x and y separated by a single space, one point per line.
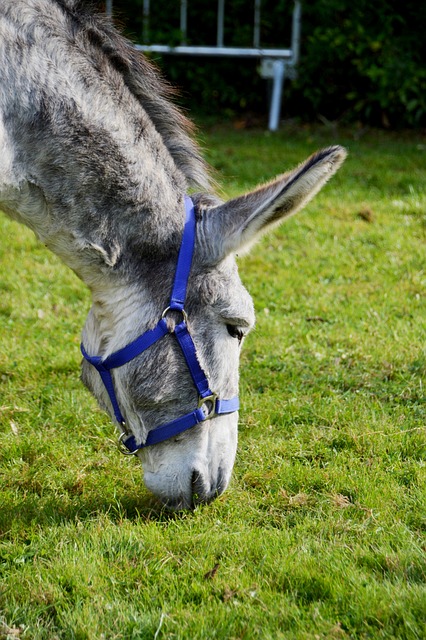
209 405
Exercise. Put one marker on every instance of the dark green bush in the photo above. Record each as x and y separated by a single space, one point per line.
364 60
360 61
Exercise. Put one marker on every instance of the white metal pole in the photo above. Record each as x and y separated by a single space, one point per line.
256 30
295 34
277 90
220 21
183 21
108 8
145 21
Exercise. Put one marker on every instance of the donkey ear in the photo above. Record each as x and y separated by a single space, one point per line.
238 223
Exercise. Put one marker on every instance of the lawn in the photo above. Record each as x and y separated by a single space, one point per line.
322 533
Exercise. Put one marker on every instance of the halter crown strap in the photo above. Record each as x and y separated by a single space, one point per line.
209 405
186 251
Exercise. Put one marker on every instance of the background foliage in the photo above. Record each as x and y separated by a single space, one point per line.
360 61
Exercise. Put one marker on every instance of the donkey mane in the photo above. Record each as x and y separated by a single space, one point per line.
103 42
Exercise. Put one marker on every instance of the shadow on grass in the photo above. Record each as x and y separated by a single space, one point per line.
31 509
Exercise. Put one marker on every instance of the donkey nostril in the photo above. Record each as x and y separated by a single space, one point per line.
221 482
199 493
206 492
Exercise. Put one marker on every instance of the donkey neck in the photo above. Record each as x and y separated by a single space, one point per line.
88 167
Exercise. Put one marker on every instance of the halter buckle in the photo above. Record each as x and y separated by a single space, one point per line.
210 403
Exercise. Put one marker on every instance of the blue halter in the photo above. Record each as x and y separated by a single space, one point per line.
209 405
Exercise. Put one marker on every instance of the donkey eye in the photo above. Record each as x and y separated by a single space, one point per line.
235 332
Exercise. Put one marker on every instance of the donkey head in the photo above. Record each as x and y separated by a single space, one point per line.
156 386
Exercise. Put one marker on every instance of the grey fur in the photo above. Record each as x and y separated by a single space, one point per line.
96 160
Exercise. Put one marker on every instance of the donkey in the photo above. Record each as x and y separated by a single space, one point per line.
98 162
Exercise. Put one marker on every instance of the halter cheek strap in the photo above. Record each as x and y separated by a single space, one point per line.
209 405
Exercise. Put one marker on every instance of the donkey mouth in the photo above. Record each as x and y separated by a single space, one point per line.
194 473
200 491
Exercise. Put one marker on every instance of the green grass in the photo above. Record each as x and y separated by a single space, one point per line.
322 533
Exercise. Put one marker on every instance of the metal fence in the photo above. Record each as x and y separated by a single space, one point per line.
276 64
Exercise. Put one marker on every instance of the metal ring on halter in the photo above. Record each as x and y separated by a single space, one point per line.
182 311
122 447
